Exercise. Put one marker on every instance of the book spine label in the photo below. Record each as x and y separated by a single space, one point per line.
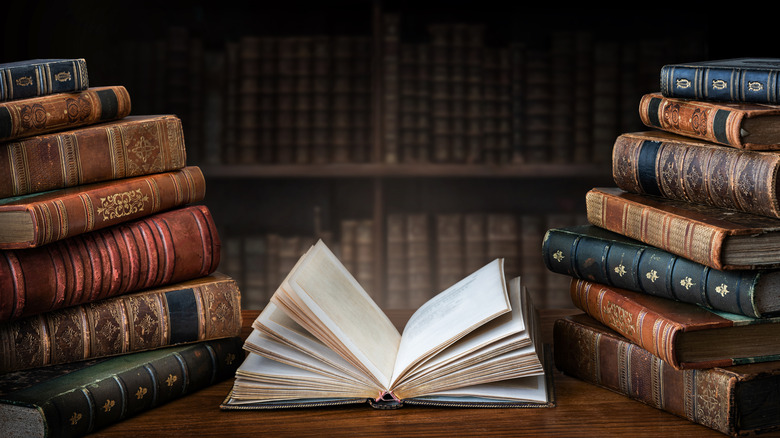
720 83
41 79
722 177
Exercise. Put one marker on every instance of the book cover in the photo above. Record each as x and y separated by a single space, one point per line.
132 146
735 400
77 400
685 336
713 236
56 112
734 79
41 77
165 248
196 310
38 219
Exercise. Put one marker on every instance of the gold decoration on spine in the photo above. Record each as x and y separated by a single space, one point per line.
24 81
63 76
755 86
719 84
122 204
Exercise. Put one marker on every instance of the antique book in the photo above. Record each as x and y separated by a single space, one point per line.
685 336
740 125
713 236
57 112
322 341
196 310
41 77
735 79
132 146
668 165
38 219
735 400
165 248
595 254
79 399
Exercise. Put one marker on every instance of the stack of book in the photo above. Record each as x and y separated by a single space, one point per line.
105 258
677 272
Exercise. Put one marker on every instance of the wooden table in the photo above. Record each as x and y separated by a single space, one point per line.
582 410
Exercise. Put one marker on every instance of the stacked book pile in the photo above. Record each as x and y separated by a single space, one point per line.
677 272
105 258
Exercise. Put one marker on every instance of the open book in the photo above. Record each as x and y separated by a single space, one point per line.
323 341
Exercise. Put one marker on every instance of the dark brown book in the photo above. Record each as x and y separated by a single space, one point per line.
165 248
396 279
735 400
56 112
683 335
201 309
715 237
132 146
669 165
38 219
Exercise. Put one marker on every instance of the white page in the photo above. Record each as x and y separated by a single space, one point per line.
532 389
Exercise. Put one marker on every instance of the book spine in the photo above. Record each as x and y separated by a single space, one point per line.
92 154
705 397
23 81
475 241
537 105
503 241
56 112
390 64
720 83
110 204
698 174
248 100
322 80
562 52
649 270
397 276
186 313
697 241
364 258
303 100
441 99
418 259
342 105
165 248
113 398
449 254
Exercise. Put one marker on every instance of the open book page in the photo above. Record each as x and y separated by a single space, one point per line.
526 389
452 314
338 310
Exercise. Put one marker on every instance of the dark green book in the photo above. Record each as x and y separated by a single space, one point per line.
601 256
79 398
41 77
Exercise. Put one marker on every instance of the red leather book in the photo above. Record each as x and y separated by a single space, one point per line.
57 112
132 146
38 219
165 248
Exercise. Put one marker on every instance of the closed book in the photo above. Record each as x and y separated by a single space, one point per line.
595 254
685 336
132 146
77 400
734 79
165 248
735 400
38 219
736 124
57 112
196 310
713 236
41 77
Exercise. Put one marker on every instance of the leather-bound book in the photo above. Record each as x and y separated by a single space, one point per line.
78 399
57 112
734 80
38 219
132 146
685 336
196 310
676 167
713 236
165 248
735 400
41 77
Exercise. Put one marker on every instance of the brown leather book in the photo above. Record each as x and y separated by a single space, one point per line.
57 112
735 400
739 125
713 236
196 310
165 248
669 165
683 335
132 146
37 219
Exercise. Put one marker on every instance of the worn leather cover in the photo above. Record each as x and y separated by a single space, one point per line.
132 146
40 77
161 249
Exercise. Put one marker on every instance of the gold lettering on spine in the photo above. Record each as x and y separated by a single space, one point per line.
618 317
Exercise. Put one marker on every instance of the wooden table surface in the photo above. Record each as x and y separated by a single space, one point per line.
582 410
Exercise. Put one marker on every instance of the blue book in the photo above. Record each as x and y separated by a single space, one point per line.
733 80
41 77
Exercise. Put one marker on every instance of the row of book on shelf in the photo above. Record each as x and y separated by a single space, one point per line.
110 301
